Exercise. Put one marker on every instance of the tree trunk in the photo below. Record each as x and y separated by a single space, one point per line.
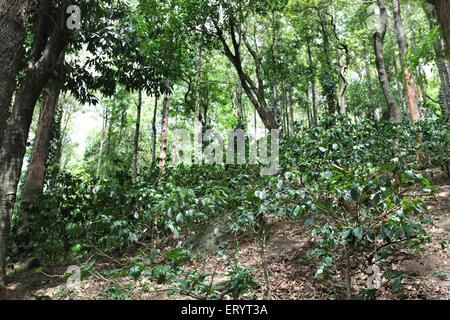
443 16
164 132
13 21
136 137
378 42
105 121
154 131
343 62
60 134
290 99
441 63
313 86
421 76
34 182
197 115
341 97
328 83
205 120
410 83
444 78
240 109
14 144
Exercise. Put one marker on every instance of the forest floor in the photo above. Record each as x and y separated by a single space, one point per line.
292 275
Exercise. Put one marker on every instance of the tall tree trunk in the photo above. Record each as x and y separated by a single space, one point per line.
341 97
155 108
410 83
421 76
164 132
60 129
197 115
240 110
102 147
285 110
343 62
14 144
275 99
205 119
441 63
136 137
34 182
378 42
444 78
255 122
328 82
313 85
443 16
13 21
290 99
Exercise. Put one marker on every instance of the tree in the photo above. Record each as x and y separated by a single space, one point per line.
328 82
443 15
136 136
155 111
164 131
14 17
254 91
41 148
228 24
41 67
440 61
198 134
49 41
410 83
34 182
378 41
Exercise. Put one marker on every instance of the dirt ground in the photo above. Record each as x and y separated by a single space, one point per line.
291 274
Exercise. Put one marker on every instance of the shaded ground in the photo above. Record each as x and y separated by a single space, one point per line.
291 274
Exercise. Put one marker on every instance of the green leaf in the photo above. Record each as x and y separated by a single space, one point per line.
296 211
358 232
76 248
346 233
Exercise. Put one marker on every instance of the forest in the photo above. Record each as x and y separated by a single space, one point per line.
224 150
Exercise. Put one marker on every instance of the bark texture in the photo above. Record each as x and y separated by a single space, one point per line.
136 137
313 85
443 16
164 132
378 43
154 131
14 17
410 83
38 162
